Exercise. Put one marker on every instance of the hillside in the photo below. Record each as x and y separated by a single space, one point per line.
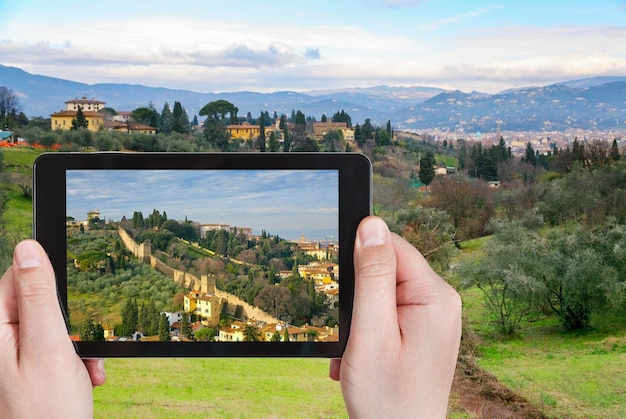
41 95
593 103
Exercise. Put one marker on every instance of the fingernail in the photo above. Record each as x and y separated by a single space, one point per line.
27 255
373 233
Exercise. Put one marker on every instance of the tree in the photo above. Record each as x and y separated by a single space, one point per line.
180 121
530 156
575 273
164 328
215 124
427 168
251 333
274 299
218 110
286 138
274 145
367 131
91 332
430 231
261 139
48 140
358 136
130 317
614 154
333 140
300 122
148 317
185 327
502 275
9 103
80 122
166 121
146 116
205 334
469 202
342 117
382 138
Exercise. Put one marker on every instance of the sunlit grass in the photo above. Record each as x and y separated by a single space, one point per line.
224 388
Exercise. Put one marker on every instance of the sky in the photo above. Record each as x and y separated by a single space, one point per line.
287 203
219 46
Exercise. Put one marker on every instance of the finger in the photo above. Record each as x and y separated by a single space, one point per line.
334 369
423 296
375 278
416 280
95 368
8 322
8 300
41 323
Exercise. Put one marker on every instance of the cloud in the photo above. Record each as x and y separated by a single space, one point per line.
237 55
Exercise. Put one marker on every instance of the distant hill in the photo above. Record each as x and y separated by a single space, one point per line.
41 96
551 108
593 103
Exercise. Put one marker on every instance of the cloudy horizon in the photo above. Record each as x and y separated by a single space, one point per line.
207 47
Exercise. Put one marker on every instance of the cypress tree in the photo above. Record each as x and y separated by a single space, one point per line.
80 121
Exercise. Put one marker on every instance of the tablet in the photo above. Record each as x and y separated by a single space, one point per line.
201 254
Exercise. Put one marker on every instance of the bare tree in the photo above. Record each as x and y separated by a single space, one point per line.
9 102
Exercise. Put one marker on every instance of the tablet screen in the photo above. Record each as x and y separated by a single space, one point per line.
224 255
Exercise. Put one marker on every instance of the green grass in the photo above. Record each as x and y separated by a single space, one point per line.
18 213
221 388
578 376
575 375
448 161
20 159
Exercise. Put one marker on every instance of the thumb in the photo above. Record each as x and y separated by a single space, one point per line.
39 313
375 279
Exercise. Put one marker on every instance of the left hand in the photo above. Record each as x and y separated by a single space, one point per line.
40 373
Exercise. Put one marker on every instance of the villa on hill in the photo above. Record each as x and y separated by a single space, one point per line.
63 120
96 119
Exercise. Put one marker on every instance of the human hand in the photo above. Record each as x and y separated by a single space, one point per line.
40 373
406 328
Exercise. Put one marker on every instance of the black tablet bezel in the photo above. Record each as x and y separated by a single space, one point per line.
49 228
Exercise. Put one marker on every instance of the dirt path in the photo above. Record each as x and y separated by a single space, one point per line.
481 395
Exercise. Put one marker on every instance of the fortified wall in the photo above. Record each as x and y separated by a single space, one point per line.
231 304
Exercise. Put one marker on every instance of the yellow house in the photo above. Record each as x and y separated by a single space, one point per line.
246 131
63 120
109 331
129 127
234 333
206 306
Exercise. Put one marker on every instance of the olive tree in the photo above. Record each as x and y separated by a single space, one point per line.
573 272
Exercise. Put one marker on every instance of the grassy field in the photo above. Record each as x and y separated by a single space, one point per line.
222 388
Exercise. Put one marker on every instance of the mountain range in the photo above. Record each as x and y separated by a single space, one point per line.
593 103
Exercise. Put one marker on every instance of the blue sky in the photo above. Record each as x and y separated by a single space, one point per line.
216 46
287 203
